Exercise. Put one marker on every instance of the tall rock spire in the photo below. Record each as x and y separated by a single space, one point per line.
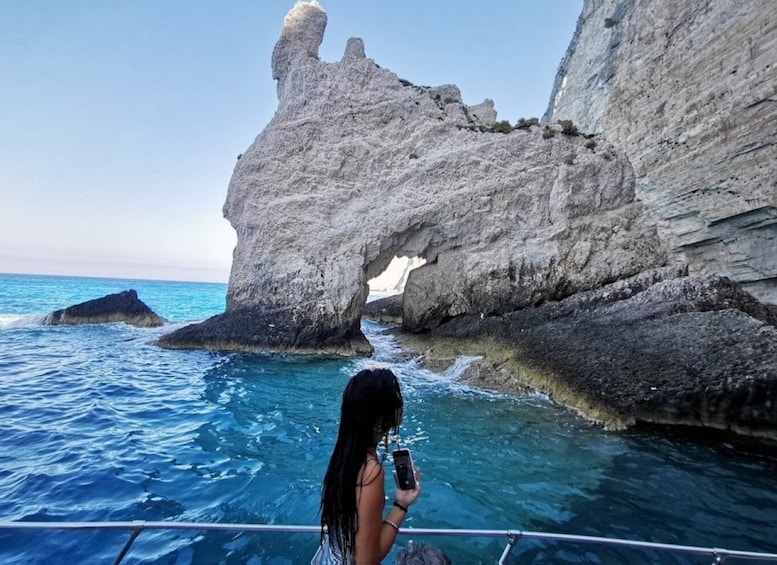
303 31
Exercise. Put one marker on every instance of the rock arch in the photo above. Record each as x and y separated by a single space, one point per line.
358 165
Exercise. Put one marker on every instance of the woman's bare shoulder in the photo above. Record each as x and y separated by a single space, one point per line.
371 472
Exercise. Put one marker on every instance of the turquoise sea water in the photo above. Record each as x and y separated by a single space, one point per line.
99 424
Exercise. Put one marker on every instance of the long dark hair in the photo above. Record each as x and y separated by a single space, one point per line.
371 409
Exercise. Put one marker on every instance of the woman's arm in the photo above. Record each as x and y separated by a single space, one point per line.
374 537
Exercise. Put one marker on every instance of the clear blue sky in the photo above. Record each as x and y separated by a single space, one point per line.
120 121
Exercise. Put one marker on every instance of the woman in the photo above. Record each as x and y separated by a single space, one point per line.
353 493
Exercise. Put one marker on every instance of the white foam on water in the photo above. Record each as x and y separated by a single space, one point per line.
21 320
416 377
387 353
460 365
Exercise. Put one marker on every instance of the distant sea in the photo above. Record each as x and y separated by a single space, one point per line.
99 424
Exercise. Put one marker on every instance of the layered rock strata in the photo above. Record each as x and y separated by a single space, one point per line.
688 90
659 348
124 307
358 166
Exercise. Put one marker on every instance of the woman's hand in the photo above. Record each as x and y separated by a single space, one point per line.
406 497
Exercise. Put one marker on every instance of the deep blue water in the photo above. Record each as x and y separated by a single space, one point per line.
98 424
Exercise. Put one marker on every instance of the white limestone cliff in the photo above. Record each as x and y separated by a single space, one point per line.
358 166
688 90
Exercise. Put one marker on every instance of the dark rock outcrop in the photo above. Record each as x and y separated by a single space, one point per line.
267 329
387 310
658 348
121 307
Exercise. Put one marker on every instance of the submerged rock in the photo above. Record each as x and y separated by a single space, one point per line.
658 348
358 166
121 307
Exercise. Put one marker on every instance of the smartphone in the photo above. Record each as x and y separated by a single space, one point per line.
403 463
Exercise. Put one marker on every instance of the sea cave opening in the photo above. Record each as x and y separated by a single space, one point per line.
391 281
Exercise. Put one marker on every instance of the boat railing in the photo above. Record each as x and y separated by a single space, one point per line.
511 537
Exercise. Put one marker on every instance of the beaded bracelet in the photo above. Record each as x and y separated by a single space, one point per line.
402 508
392 524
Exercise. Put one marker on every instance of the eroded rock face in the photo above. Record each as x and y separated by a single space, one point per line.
688 90
358 166
120 307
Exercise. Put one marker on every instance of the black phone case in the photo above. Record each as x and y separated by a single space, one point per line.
405 472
